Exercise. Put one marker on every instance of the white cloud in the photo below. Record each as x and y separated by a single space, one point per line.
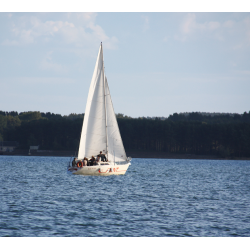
190 25
211 25
48 64
236 31
80 29
229 24
9 42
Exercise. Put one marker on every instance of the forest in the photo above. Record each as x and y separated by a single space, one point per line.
223 135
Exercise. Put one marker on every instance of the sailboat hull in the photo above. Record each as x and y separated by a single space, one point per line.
100 131
104 170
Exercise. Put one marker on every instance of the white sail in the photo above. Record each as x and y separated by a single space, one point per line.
100 131
93 136
116 151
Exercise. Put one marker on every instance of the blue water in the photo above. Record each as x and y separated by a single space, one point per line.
156 197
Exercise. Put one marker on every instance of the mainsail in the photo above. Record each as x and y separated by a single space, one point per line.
100 131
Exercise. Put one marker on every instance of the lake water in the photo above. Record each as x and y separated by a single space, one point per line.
156 197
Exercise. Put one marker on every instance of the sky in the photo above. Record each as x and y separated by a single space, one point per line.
157 63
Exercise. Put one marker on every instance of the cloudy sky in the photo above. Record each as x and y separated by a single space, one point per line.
156 63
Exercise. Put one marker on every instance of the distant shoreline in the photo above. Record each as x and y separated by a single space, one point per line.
133 154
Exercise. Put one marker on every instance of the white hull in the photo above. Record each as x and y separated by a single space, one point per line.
103 170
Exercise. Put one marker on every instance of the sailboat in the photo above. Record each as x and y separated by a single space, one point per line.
100 131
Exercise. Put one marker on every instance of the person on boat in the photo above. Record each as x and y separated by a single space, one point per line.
92 161
88 162
85 162
98 159
74 163
103 157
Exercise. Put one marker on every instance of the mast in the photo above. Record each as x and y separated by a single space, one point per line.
106 124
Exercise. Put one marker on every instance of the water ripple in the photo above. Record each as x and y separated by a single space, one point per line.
156 197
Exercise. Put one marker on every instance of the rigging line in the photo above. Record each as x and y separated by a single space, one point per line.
104 86
79 144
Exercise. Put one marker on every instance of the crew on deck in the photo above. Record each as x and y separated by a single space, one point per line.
92 161
98 159
103 157
85 161
74 163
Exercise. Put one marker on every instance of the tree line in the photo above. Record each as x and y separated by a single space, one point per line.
225 135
